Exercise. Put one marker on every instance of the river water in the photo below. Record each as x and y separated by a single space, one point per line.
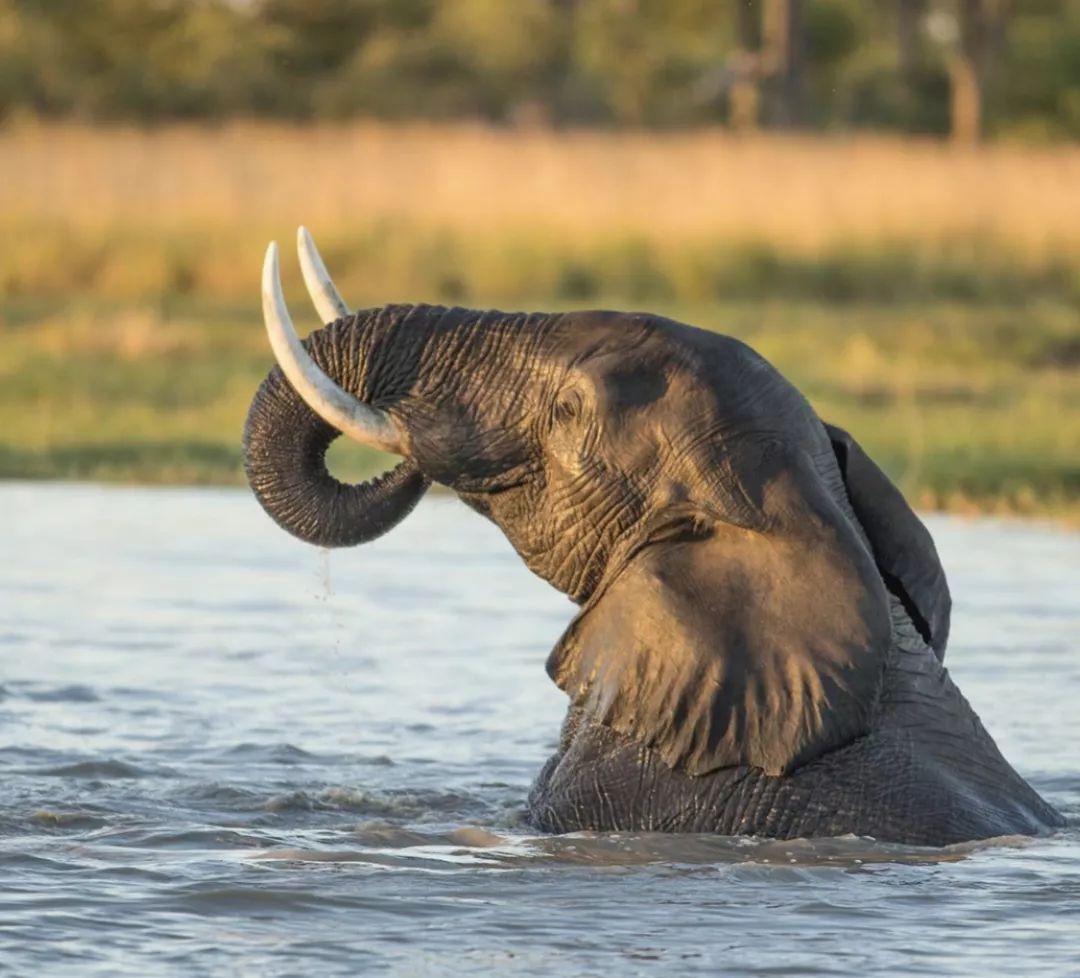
225 753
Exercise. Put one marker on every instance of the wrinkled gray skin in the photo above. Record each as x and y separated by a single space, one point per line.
762 618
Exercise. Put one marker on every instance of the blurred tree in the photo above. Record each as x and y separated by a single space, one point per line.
783 55
909 14
981 29
645 59
1038 81
744 66
910 65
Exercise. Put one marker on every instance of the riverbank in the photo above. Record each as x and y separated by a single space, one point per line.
926 296
969 409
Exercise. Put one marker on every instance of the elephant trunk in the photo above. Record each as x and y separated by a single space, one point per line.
285 445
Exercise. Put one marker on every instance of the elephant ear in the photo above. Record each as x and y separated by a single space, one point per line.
902 545
721 646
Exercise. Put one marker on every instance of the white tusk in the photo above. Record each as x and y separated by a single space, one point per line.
327 299
348 414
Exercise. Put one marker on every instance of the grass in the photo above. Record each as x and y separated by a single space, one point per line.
968 409
486 215
925 296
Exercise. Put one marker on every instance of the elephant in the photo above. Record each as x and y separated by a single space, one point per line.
762 619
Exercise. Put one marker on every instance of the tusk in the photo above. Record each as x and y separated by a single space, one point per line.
327 299
336 407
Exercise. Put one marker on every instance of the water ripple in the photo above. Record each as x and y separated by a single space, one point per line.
108 769
243 756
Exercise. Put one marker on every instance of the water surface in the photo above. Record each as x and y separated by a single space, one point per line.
225 753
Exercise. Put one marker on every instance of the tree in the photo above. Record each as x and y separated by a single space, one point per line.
784 61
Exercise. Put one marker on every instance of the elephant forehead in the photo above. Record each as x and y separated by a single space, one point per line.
645 356
580 337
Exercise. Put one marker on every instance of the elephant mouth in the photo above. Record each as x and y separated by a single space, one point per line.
685 521
516 477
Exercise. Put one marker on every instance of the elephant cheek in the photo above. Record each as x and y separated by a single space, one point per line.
566 460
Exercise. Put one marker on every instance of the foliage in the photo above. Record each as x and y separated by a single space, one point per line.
618 62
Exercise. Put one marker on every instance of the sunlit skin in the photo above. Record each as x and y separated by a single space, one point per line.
763 619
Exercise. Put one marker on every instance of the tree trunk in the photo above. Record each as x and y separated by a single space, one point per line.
982 31
908 14
744 96
784 60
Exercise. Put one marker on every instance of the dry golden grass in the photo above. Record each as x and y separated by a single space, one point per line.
494 212
803 193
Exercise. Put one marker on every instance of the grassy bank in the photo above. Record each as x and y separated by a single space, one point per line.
968 409
925 296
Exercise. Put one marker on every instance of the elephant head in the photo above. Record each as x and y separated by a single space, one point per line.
731 554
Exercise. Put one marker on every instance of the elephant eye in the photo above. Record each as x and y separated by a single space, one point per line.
568 406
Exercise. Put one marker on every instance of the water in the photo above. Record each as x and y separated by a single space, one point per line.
225 753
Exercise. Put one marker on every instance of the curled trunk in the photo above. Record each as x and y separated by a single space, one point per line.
285 445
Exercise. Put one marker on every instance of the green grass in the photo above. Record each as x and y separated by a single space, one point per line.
400 259
969 407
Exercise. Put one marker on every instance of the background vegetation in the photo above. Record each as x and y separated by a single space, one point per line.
923 291
969 409
886 64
